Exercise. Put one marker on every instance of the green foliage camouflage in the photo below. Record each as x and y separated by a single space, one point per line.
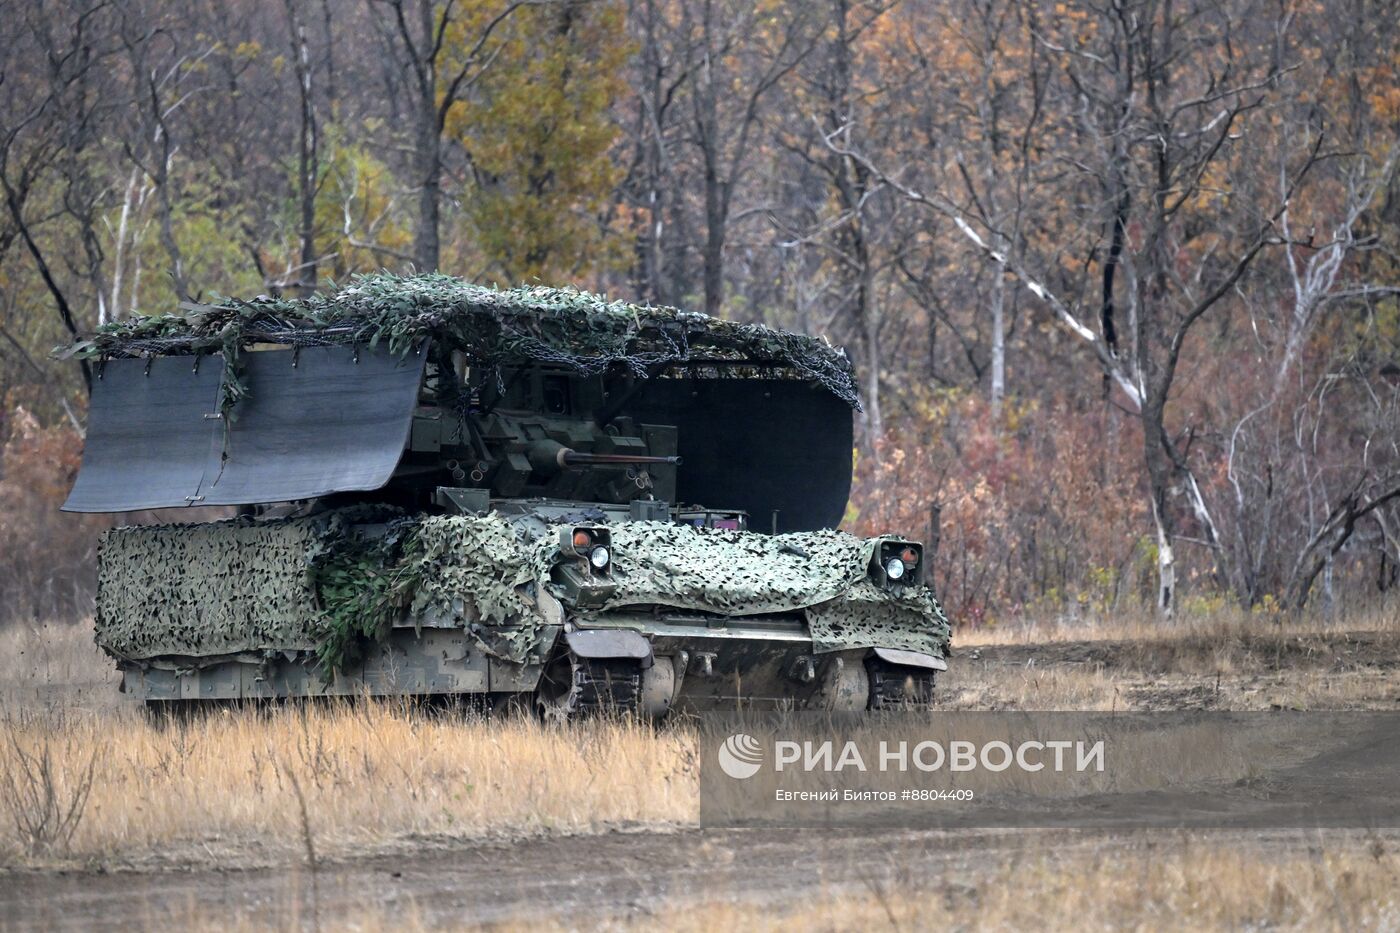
359 589
472 571
335 583
517 326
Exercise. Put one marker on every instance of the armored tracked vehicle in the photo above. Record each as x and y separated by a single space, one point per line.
437 488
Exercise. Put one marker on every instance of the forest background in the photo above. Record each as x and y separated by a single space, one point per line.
1119 279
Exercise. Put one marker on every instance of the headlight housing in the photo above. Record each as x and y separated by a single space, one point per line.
588 543
897 563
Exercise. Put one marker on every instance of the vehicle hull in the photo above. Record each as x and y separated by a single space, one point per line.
691 665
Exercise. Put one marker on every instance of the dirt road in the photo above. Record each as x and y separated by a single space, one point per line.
575 880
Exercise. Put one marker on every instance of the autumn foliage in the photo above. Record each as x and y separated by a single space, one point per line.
1120 282
1030 510
48 567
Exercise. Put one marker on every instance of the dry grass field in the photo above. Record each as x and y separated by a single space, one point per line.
1222 624
90 784
241 785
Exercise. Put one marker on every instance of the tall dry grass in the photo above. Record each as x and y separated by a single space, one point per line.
41 657
374 775
233 783
369 772
1227 659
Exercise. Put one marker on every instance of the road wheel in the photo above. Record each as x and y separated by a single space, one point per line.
845 686
572 686
894 686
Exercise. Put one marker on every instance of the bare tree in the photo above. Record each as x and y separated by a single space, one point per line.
308 148
161 58
52 123
1100 216
438 76
654 180
1320 428
729 44
837 109
1160 110
988 133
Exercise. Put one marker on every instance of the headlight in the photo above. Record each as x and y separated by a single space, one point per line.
897 563
589 544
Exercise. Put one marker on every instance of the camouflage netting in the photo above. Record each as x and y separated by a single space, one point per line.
220 588
324 584
470 570
742 573
730 572
491 327
241 587
868 616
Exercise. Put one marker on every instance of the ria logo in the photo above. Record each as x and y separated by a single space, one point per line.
740 756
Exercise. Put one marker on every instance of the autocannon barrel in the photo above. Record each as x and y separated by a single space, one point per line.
578 458
548 457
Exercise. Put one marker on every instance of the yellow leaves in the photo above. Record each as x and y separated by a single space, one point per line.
1386 103
1381 87
1211 195
355 216
1017 413
539 134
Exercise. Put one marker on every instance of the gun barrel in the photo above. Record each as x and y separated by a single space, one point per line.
579 458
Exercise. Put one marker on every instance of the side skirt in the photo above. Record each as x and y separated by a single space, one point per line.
433 662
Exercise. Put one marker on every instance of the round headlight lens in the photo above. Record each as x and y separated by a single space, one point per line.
599 557
894 569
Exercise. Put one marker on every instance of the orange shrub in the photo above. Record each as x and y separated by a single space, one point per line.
46 556
1049 519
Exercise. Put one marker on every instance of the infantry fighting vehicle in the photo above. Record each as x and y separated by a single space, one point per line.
533 494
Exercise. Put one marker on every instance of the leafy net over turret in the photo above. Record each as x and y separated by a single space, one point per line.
517 326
